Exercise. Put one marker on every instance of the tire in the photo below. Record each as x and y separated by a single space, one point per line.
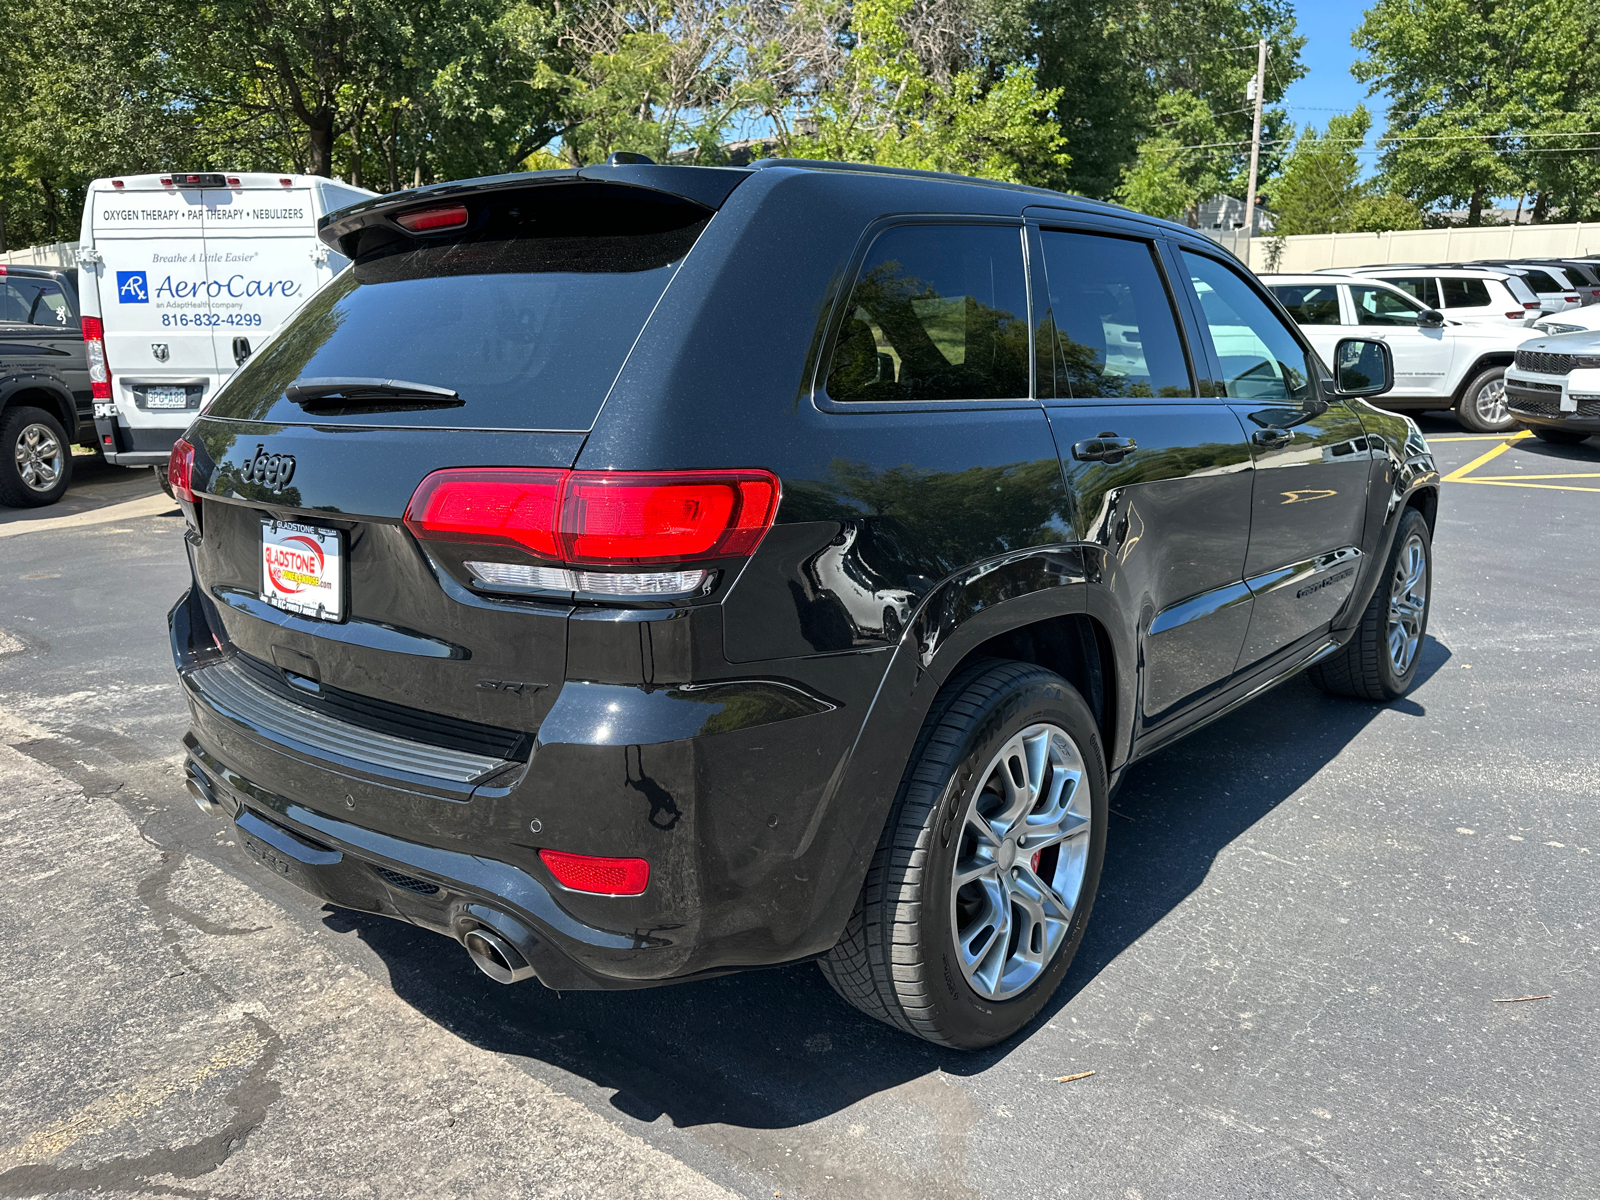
35 458
898 958
1559 437
1482 407
1369 667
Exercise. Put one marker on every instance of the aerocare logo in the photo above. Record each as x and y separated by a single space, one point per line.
132 288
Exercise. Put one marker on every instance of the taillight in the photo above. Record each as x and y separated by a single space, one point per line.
603 876
1531 304
434 220
180 470
1515 316
579 520
94 350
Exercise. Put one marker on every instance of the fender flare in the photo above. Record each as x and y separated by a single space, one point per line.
61 403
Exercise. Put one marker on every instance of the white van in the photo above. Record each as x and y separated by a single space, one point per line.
183 276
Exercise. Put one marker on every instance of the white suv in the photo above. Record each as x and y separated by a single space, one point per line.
1437 363
1471 295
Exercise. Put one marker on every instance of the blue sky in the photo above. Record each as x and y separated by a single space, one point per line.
1328 88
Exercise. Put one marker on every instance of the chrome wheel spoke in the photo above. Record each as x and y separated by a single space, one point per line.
1019 868
1408 604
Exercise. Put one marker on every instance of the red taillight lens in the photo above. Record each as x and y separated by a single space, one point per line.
603 876
1514 316
644 517
94 351
504 506
1530 304
599 517
434 220
180 470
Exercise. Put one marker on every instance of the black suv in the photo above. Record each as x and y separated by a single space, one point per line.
640 573
46 403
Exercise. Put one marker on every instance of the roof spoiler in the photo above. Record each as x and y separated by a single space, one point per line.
707 187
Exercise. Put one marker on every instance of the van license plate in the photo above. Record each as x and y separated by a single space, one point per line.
166 397
302 569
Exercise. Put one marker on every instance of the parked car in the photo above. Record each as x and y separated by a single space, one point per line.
1574 320
1554 387
1437 363
1556 291
1471 295
641 573
1585 276
183 275
45 403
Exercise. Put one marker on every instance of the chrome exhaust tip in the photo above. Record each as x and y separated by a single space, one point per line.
199 789
495 956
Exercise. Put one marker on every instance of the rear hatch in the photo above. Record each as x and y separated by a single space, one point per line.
488 337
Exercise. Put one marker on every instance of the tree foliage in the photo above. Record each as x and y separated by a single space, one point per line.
1487 98
1321 190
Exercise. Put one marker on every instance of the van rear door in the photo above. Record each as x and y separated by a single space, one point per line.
154 301
264 259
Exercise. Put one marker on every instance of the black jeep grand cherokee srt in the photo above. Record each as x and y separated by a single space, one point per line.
639 573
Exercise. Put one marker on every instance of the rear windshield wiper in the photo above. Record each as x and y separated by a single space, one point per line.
348 394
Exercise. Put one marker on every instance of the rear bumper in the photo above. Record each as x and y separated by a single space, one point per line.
745 869
137 447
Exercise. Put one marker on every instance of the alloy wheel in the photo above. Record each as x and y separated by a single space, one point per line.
1018 875
1408 604
40 457
1490 403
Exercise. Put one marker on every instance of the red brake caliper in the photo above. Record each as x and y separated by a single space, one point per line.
1037 855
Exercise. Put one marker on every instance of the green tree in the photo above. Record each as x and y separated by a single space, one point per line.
887 106
1485 98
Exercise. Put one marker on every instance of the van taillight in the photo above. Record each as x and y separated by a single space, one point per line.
576 521
94 350
180 470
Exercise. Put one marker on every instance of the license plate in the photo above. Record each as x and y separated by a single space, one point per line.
302 569
166 397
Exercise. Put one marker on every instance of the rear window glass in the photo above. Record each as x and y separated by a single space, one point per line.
1422 287
1310 305
1540 282
1116 333
1464 293
33 302
939 312
528 318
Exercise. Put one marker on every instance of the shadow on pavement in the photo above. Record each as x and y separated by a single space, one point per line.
95 484
776 1048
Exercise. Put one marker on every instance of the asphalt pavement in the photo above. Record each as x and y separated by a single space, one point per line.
1339 949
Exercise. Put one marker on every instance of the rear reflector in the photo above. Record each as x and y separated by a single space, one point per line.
434 220
599 518
180 470
94 351
602 876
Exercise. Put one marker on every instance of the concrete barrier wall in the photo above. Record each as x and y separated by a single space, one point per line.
1314 251
61 255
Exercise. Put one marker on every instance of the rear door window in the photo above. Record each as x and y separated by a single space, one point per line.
938 312
1310 304
1258 357
1116 333
1464 293
1424 287
528 320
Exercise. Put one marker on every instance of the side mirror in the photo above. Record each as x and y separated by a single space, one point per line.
1362 367
1430 318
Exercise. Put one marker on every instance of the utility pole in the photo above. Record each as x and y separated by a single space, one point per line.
1259 86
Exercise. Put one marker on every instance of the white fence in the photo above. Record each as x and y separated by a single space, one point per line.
61 255
1314 251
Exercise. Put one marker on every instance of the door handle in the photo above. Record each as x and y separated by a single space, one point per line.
1272 438
1107 448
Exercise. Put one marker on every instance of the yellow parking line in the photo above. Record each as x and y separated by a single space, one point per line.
1514 478
1554 487
1468 437
1456 475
